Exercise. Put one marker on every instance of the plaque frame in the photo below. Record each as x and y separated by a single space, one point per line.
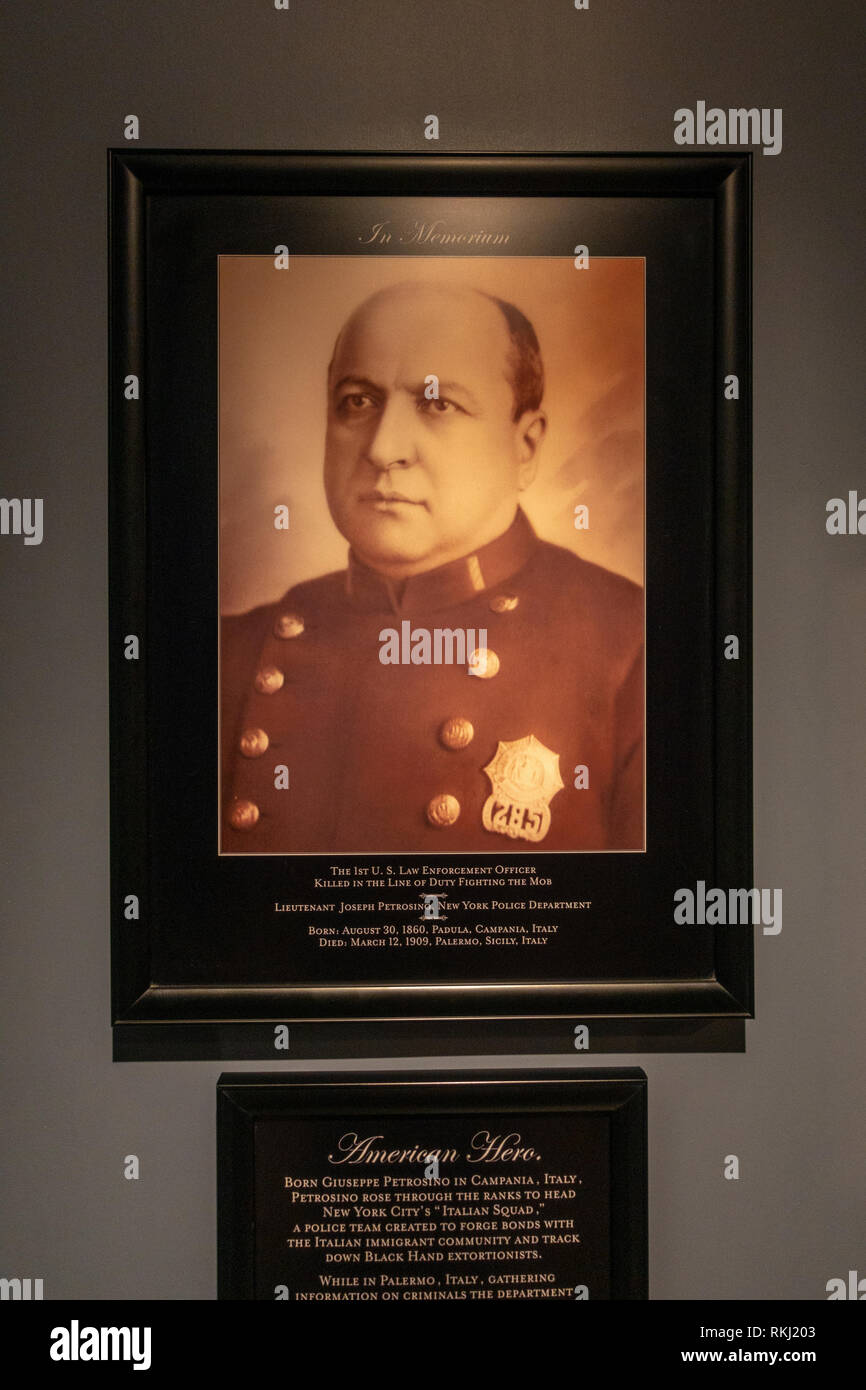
156 1015
245 1100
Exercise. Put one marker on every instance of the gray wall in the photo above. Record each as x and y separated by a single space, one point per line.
506 76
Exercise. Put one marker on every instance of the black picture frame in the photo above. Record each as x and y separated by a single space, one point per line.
191 974
248 1103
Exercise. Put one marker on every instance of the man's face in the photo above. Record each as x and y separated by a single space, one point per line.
414 482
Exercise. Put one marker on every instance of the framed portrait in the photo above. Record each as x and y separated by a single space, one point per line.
412 1188
430 601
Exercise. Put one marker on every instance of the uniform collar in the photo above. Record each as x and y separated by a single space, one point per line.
455 582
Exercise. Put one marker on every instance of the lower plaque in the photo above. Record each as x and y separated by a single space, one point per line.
412 1187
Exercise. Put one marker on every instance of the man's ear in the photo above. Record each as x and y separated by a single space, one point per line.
531 429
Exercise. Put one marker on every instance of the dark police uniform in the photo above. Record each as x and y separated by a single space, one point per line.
326 749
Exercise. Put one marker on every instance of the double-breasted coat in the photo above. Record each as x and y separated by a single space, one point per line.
533 738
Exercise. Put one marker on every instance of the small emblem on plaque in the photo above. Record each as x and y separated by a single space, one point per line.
525 777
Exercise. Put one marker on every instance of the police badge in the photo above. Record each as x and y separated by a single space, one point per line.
525 777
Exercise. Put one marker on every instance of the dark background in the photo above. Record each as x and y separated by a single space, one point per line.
510 76
197 941
578 1144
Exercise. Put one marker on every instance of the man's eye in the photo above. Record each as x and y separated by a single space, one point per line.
439 405
354 402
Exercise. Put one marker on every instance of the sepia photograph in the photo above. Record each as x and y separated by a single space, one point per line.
431 553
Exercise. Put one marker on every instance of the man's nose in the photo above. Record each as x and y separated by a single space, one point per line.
393 442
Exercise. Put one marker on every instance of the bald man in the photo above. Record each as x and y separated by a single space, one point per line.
462 685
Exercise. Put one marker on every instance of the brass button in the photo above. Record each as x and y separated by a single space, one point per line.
456 733
504 603
288 625
269 680
243 815
484 663
253 743
443 810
